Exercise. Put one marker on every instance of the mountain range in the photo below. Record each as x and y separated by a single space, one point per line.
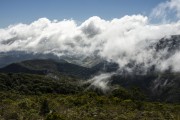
158 86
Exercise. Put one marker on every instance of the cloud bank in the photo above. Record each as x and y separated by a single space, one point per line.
130 39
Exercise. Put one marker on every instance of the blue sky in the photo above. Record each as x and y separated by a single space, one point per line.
26 11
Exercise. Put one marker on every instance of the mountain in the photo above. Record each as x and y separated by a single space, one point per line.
158 87
7 58
38 66
171 44
45 66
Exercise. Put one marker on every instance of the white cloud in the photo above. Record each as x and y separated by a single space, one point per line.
167 10
173 62
121 40
100 81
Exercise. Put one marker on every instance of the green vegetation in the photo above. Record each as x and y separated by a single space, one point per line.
51 76
33 97
38 84
86 106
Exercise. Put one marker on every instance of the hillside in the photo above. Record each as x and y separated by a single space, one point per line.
45 66
30 96
156 86
159 87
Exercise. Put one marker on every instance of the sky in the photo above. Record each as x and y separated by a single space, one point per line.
27 11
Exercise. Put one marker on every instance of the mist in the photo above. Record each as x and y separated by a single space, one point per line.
101 81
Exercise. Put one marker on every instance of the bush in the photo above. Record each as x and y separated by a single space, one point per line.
54 116
121 93
11 116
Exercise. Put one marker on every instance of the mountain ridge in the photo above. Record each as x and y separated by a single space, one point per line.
45 66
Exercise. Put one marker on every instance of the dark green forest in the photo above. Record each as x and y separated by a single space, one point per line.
34 97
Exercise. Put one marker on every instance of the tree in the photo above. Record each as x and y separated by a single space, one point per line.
44 107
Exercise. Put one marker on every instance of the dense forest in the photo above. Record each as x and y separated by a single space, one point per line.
31 97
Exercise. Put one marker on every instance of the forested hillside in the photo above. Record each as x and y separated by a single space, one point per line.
49 97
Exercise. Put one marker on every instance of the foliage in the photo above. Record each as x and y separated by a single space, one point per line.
38 84
87 105
34 97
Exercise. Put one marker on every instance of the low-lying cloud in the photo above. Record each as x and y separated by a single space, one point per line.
130 41
100 81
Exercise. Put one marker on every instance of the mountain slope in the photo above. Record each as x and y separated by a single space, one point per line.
158 87
45 67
